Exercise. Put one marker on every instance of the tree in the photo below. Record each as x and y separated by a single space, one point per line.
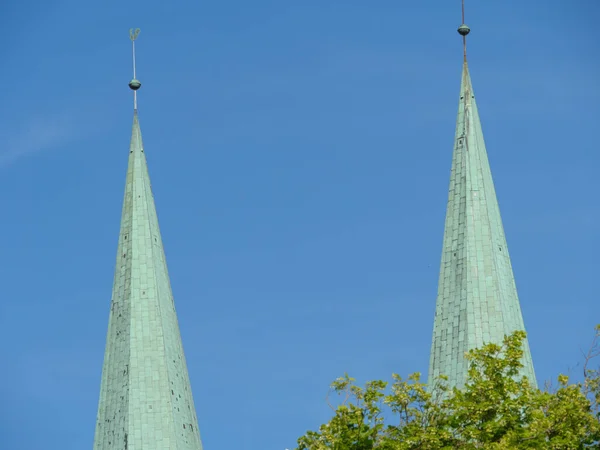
497 409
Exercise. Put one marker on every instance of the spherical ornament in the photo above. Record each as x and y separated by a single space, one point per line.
135 84
463 30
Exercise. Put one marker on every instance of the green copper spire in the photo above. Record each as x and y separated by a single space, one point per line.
145 396
477 298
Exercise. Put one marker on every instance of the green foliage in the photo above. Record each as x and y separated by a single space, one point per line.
497 409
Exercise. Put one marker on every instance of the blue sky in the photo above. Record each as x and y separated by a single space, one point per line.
300 155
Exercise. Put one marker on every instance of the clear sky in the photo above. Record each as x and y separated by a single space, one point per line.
300 154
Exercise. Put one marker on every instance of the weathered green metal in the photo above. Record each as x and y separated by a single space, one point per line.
134 85
477 298
463 30
145 396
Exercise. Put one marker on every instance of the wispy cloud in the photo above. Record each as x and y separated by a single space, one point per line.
38 135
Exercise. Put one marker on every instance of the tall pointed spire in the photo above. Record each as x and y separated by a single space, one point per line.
477 298
145 395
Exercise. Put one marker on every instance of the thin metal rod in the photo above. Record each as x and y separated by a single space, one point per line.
133 48
464 37
133 34
134 92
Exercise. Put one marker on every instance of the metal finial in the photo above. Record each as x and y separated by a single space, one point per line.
134 84
133 33
463 30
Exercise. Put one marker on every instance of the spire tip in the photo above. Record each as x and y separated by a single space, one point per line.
134 84
463 30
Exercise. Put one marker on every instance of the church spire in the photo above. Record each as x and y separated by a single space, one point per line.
477 298
145 394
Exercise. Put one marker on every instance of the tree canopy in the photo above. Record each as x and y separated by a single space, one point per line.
496 409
